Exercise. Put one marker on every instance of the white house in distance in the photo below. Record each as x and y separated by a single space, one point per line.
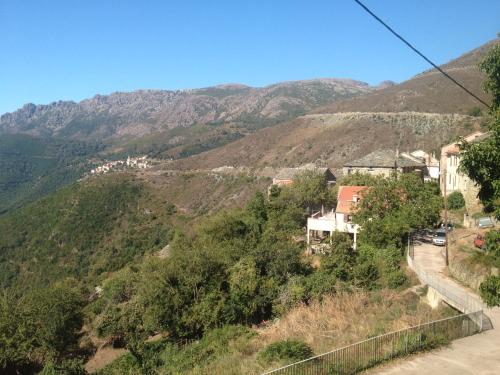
431 172
451 177
450 160
339 220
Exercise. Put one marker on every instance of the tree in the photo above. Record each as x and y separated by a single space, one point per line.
480 160
16 334
490 65
395 205
309 190
456 200
490 291
40 327
57 315
244 283
340 258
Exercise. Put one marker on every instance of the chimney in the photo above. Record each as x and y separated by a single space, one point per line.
355 198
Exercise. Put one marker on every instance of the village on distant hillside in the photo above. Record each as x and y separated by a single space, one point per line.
139 162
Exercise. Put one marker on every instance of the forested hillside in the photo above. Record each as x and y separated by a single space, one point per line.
32 167
82 231
241 266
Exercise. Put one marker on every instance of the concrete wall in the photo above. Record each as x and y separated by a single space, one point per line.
321 224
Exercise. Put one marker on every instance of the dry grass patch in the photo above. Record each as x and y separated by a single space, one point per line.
346 318
338 320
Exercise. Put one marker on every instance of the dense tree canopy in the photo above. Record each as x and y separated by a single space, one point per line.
394 206
42 326
481 160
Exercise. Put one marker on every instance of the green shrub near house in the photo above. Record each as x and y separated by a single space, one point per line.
456 200
492 243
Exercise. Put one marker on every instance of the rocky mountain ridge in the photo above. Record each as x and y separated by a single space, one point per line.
142 112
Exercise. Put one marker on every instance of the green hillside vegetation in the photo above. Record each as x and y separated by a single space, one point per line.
33 167
82 231
241 267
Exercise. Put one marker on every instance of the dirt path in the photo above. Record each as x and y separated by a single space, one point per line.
479 354
104 356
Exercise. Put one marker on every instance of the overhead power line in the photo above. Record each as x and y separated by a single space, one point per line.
422 55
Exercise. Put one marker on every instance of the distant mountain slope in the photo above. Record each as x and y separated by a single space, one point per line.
419 113
429 91
333 139
135 114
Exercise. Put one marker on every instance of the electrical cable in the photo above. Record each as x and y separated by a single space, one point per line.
422 55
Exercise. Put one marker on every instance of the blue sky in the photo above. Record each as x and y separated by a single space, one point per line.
71 50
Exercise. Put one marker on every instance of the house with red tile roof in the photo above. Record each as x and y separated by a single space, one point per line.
340 220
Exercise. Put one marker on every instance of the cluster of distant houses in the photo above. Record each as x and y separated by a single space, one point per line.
140 162
382 163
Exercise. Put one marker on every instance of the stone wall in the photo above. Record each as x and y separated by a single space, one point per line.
469 275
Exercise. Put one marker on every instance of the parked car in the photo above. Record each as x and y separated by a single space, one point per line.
439 238
479 241
486 222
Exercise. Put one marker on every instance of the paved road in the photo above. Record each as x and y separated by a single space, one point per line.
479 354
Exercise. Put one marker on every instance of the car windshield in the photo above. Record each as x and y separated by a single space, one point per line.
441 234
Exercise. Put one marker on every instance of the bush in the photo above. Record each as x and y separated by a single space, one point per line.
290 350
396 279
492 243
490 291
474 112
456 200
66 367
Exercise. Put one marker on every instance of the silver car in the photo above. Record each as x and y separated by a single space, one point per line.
439 238
486 222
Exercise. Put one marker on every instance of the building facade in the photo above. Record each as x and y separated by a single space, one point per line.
384 163
320 224
451 178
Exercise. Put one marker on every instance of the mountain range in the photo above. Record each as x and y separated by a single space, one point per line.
327 121
138 113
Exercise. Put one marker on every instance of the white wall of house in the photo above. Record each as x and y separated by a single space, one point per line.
433 172
454 180
331 223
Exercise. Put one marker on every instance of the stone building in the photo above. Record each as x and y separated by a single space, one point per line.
384 162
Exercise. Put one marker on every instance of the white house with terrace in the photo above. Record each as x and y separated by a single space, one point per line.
321 225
